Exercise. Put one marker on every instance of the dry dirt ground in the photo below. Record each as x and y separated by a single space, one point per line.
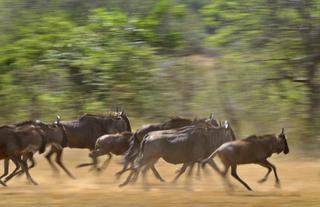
300 186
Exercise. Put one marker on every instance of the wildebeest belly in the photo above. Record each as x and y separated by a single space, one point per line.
30 148
81 140
253 156
178 153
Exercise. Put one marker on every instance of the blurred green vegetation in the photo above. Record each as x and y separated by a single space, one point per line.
255 63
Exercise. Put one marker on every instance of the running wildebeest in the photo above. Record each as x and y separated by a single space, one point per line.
137 137
116 144
185 145
17 141
253 149
54 134
84 132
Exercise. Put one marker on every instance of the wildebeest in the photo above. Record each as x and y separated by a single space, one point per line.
116 144
84 132
172 123
17 141
253 149
185 145
54 134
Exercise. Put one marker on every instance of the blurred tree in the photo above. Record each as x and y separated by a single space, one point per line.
277 42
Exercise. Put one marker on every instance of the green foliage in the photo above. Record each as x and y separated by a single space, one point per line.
253 62
273 43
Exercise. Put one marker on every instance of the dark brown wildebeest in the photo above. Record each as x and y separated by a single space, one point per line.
185 145
253 149
137 137
116 144
17 141
54 134
84 132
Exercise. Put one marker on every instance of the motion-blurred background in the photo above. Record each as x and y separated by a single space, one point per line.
255 62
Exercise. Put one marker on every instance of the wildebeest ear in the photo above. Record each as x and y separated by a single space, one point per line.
226 124
282 132
211 116
122 111
58 119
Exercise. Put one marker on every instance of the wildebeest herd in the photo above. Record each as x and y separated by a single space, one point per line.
177 141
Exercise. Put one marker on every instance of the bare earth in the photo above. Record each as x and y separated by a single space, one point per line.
300 186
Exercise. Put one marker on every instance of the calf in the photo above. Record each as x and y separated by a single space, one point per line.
253 149
116 144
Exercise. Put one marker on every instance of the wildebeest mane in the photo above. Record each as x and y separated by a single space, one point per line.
87 115
23 123
257 138
30 122
4 126
175 122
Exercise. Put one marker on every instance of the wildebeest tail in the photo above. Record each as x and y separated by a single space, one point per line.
140 155
132 152
43 141
204 161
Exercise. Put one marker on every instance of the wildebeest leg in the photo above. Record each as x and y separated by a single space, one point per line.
275 172
6 168
33 163
135 170
190 170
26 157
59 161
106 162
93 155
235 175
48 157
215 167
181 171
198 170
156 173
148 165
24 167
269 170
128 178
14 172
124 169
144 172
2 183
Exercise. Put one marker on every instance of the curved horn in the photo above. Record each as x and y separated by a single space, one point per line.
58 119
282 132
122 111
211 116
226 124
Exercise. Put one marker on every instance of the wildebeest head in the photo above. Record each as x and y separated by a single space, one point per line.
229 131
212 121
123 117
282 144
54 131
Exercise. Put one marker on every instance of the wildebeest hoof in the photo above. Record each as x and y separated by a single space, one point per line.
262 180
2 183
278 185
32 182
122 185
118 175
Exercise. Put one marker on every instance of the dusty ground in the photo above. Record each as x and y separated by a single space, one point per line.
300 181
